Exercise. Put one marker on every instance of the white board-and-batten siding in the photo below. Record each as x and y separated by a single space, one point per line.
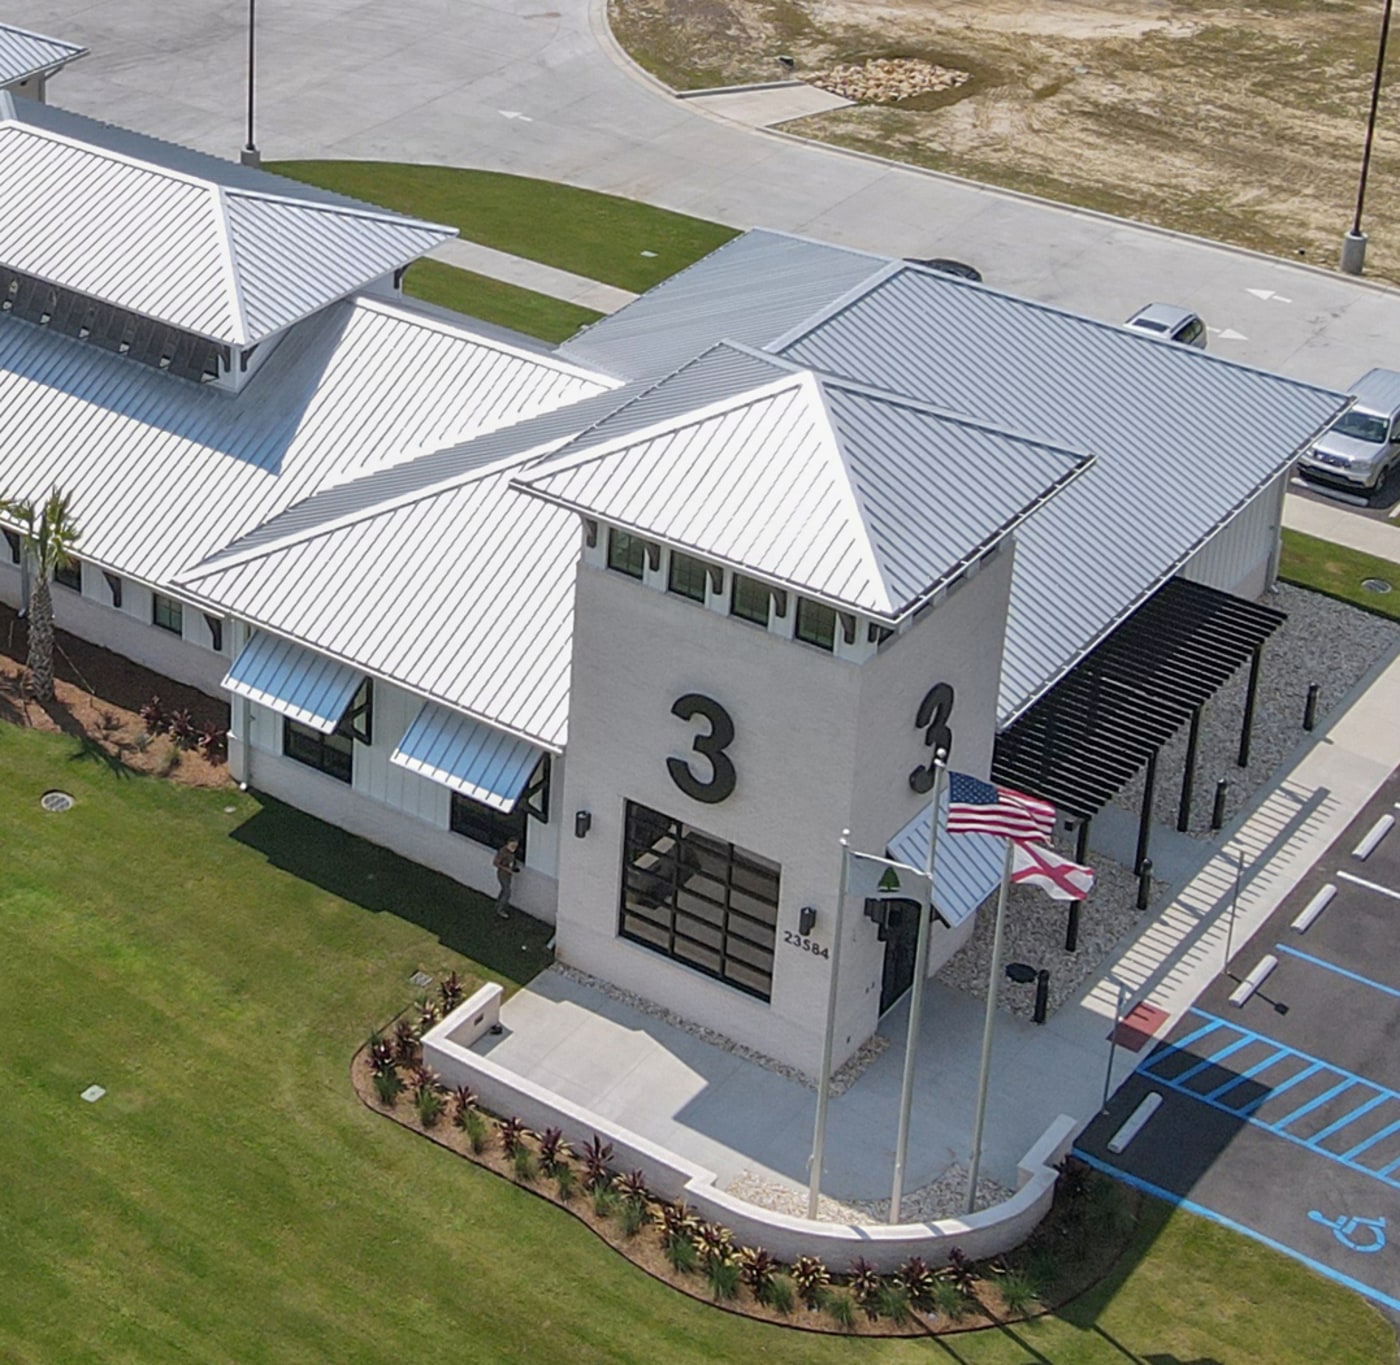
1241 557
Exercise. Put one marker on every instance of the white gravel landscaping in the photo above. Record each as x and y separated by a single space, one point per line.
941 1198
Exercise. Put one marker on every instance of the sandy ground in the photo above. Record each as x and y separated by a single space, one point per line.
1243 124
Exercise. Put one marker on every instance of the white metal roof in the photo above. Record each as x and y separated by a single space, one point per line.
480 762
214 258
24 54
750 290
464 596
1182 440
185 469
293 681
863 498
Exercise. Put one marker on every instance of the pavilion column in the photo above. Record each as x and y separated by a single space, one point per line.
1247 728
1145 820
1188 779
1081 851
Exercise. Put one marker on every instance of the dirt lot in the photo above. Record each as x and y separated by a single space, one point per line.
1243 124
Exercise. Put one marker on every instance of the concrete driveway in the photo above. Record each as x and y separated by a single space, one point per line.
534 87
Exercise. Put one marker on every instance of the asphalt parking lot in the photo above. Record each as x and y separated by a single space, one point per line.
1281 1116
1382 505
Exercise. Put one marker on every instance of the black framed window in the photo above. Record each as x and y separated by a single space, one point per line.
626 554
114 586
332 754
167 613
816 624
749 600
216 632
686 577
12 540
69 575
699 900
486 825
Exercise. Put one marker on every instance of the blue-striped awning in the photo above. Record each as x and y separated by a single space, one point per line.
486 765
967 867
293 681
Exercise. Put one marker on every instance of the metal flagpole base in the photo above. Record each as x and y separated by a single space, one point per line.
1353 253
250 156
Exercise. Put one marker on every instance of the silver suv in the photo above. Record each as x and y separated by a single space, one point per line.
1361 447
1171 323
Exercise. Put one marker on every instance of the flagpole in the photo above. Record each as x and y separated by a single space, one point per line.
916 994
988 1028
828 1040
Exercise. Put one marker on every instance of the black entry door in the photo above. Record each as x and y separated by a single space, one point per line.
901 934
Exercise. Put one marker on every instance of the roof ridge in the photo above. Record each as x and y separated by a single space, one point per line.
829 310
229 249
852 489
371 212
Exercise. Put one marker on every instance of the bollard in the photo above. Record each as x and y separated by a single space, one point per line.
1217 814
1072 928
1144 884
1310 709
1042 995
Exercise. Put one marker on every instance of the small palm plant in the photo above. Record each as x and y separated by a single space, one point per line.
48 536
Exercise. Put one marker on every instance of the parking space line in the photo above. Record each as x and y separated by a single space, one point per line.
1248 1109
1371 1141
1181 1044
1341 971
1388 1167
1370 886
1312 1104
1346 1119
1250 1074
1214 1059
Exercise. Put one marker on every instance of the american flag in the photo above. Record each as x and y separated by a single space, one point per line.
977 807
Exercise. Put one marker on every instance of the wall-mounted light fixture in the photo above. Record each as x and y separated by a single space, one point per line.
583 822
806 918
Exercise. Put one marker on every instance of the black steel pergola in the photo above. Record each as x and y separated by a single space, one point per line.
1109 717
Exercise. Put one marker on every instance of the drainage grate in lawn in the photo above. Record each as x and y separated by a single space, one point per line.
1375 585
56 801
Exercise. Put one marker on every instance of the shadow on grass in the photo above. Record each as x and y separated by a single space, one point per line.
382 882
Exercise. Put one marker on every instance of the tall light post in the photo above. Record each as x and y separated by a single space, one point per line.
250 156
1354 243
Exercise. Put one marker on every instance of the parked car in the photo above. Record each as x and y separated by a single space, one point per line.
1168 321
948 267
1362 446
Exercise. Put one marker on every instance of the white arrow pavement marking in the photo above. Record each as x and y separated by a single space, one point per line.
1228 334
1268 294
511 113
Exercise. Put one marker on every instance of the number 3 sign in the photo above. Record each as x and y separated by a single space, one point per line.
710 747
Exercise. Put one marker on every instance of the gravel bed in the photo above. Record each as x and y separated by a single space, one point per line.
887 80
1035 934
1323 641
845 1076
940 1198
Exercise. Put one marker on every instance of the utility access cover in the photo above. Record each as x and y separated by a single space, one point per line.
56 801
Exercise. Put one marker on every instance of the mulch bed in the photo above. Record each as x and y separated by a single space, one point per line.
645 1250
98 698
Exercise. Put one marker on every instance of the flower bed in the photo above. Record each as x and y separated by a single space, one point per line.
1078 1242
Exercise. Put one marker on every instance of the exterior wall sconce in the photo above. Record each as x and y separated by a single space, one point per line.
806 918
583 822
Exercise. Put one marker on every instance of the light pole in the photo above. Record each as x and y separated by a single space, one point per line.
250 156
1354 242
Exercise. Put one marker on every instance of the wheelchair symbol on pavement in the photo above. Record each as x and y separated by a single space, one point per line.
1344 1229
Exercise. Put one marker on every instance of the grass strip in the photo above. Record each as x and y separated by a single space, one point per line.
507 305
1339 571
599 236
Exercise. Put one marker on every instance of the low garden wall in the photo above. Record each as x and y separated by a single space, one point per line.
986 1233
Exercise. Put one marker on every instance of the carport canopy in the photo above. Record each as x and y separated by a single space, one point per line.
1110 715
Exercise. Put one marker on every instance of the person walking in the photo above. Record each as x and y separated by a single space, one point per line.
506 865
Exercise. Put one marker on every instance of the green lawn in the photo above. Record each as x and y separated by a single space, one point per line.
508 305
619 241
1339 572
231 1200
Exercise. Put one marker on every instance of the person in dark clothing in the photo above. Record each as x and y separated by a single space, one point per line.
507 865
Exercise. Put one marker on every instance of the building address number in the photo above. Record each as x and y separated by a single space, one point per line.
806 944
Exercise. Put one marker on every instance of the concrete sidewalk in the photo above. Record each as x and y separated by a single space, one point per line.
734 1115
543 279
1342 526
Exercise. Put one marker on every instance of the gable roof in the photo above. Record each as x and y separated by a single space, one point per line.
750 290
1183 440
862 498
24 54
201 253
184 469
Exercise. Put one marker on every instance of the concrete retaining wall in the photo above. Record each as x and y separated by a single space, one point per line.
989 1232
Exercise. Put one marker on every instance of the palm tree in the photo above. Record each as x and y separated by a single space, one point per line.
47 538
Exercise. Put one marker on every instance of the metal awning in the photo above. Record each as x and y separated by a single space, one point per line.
486 765
293 681
966 867
1086 738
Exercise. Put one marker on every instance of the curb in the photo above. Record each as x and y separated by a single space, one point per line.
735 89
